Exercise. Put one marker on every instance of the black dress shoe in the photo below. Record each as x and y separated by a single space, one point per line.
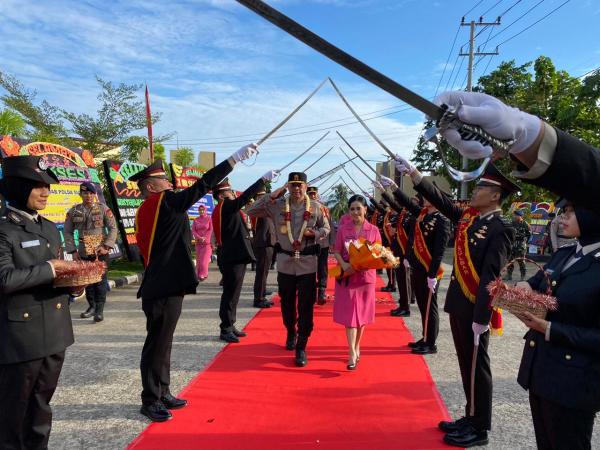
229 337
425 349
290 342
452 427
156 412
469 436
300 359
395 309
172 402
419 343
400 313
261 304
269 302
88 312
238 333
385 289
268 292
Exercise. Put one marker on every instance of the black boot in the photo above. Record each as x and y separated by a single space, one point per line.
290 342
322 298
300 359
99 314
90 311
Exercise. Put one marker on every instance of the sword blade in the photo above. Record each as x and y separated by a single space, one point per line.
303 153
356 165
341 57
357 154
319 159
290 115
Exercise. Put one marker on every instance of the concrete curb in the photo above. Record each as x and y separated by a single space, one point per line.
123 281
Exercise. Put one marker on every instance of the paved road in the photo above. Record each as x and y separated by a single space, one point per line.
97 402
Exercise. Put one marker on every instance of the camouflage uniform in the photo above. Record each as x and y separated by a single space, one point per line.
91 221
519 247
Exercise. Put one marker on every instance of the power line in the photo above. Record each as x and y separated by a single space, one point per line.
534 23
513 5
473 7
447 59
515 21
491 7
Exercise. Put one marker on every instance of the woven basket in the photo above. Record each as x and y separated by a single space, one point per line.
84 273
517 300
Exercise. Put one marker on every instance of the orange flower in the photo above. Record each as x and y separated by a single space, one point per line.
88 158
10 147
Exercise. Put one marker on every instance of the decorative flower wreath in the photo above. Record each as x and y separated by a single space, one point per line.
296 243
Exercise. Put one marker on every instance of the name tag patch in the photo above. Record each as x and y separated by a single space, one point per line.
28 244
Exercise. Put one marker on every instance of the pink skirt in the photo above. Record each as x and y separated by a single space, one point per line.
203 253
354 305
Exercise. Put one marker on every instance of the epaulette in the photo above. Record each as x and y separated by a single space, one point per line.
504 221
14 217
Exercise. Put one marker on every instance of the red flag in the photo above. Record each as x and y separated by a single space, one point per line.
149 124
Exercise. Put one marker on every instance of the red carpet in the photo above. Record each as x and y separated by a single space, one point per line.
253 397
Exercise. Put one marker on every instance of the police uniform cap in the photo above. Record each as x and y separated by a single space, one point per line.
297 177
155 170
493 177
223 186
310 189
29 167
86 186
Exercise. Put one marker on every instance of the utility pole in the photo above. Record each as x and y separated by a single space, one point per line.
471 54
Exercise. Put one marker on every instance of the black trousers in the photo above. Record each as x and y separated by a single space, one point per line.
233 278
419 282
304 288
162 315
560 428
264 256
404 289
96 293
322 269
26 389
462 334
391 273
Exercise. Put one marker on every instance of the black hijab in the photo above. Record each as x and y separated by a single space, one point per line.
16 191
589 225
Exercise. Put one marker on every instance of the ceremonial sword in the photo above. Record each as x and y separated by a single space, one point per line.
319 159
324 175
303 153
444 116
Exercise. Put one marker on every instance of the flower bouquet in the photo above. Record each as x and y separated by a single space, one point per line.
517 300
365 255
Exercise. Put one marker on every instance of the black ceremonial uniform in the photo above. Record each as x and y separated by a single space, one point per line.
35 325
489 241
435 229
563 373
233 238
164 236
263 243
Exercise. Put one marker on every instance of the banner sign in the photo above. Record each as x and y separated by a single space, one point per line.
72 166
537 216
127 198
184 177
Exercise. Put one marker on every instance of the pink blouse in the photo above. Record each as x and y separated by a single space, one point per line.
346 233
202 227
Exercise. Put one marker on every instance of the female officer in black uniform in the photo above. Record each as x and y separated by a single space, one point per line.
561 361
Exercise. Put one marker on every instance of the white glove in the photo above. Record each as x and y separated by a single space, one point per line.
270 175
387 182
406 263
501 121
378 185
478 330
245 152
431 283
403 166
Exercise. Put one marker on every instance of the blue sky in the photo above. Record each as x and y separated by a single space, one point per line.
222 76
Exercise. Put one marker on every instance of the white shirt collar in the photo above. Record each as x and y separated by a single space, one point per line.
32 217
588 248
489 213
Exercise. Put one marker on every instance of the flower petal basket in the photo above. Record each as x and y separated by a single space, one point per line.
82 273
364 255
517 300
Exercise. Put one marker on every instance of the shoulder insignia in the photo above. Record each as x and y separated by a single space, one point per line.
16 218
597 255
504 221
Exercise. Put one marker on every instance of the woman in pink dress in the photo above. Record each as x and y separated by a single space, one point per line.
354 305
202 229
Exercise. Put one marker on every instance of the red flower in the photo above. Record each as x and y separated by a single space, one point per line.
288 216
296 245
10 147
306 215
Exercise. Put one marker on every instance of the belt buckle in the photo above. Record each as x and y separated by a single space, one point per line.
297 254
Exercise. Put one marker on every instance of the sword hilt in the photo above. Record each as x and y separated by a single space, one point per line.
469 132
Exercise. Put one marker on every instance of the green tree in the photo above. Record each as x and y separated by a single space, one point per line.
159 151
43 120
11 123
184 156
337 201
